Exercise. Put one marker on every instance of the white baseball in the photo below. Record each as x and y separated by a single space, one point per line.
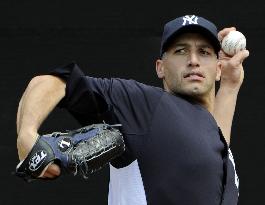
233 42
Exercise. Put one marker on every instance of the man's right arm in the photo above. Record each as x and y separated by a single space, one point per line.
41 96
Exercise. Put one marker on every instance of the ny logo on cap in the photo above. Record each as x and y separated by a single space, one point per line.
191 20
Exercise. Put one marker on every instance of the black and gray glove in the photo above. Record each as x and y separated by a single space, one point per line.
80 152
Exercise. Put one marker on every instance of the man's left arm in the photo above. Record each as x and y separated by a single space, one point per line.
231 80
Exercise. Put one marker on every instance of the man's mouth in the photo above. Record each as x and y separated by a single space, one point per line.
194 75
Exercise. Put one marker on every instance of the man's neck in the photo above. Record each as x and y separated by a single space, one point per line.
207 103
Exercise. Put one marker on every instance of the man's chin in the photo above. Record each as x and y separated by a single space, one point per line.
194 93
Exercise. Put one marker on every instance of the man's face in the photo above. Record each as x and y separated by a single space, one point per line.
189 66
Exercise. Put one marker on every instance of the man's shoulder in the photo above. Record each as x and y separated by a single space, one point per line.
134 84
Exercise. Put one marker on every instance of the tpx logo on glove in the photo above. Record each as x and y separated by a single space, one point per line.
36 160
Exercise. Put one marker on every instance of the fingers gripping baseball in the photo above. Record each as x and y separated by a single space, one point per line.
232 69
224 32
234 61
231 62
232 41
238 58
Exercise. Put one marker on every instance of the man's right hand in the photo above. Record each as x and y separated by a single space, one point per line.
24 146
52 171
41 96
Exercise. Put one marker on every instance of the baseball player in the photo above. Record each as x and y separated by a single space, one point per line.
177 138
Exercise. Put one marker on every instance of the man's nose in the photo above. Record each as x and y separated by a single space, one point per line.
193 60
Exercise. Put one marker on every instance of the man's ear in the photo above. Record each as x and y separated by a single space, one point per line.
218 71
160 68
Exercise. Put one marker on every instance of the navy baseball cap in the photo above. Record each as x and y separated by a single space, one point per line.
189 23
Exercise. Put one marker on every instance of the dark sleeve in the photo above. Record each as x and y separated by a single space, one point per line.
90 99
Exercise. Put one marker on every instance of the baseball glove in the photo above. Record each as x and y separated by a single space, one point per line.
79 152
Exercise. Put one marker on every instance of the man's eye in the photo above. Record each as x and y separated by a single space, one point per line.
205 52
180 51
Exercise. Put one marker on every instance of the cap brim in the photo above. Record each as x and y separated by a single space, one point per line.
194 28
